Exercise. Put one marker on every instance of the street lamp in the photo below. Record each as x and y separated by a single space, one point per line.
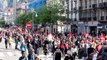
33 15
26 6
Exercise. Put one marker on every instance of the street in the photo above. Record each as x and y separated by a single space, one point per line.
10 53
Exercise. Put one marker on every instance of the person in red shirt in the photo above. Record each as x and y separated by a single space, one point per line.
62 47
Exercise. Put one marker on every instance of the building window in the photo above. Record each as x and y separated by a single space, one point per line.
94 18
102 17
106 17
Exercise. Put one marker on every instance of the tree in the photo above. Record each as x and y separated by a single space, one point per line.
26 17
21 19
48 14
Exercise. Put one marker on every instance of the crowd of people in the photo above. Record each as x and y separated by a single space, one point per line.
68 45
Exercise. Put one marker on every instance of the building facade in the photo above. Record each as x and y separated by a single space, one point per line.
62 26
87 15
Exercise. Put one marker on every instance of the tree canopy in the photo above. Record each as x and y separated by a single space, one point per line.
45 15
48 15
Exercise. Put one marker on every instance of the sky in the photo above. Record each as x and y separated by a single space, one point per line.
36 4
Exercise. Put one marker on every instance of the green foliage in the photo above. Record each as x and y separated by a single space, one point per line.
21 18
46 15
2 23
26 17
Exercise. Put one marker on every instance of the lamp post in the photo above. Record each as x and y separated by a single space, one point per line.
33 15
14 6
25 6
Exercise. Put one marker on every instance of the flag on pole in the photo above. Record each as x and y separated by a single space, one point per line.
19 29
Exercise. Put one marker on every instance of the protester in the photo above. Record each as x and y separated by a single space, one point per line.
31 55
57 55
83 46
6 40
23 47
16 41
68 56
74 51
23 57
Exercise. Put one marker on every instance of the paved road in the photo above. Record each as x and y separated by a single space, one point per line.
10 53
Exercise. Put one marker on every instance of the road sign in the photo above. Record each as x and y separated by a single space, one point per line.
28 24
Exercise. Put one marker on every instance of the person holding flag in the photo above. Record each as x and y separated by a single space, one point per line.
19 28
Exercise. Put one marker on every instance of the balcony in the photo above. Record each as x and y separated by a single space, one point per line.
102 17
94 18
74 8
80 19
89 18
105 4
94 6
106 17
84 19
75 19
101 5
80 8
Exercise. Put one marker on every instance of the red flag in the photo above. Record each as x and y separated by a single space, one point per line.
86 35
102 37
71 34
98 47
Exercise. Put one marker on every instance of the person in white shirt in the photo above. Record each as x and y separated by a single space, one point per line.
74 51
